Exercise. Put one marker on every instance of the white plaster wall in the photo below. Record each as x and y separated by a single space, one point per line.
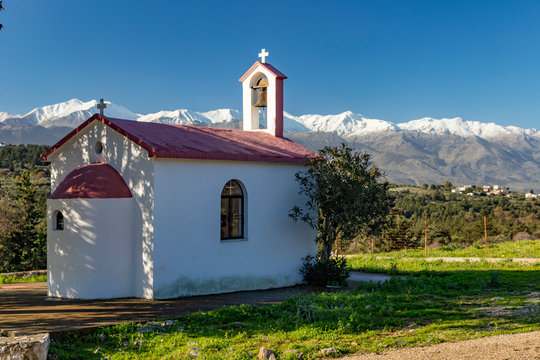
190 258
92 258
137 170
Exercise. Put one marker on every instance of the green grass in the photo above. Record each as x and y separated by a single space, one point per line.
15 279
419 266
510 249
429 303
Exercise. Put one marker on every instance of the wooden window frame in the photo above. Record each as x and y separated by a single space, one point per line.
242 212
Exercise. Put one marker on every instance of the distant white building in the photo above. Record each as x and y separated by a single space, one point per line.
495 189
461 189
159 211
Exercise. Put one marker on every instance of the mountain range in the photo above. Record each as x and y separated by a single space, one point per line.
426 150
73 112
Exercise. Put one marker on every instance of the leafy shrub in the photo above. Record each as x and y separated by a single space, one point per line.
306 310
319 272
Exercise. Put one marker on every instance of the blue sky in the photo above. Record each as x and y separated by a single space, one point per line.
393 60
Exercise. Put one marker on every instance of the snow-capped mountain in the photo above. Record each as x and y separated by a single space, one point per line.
457 126
188 117
73 112
222 115
69 113
5 115
351 124
175 117
346 123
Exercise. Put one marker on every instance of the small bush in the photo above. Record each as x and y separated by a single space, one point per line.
319 272
306 310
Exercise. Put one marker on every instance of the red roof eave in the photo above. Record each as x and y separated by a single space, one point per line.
230 157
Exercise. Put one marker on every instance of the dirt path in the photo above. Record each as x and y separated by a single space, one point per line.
524 346
25 308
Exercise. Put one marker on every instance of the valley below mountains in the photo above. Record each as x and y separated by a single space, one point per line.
421 151
415 158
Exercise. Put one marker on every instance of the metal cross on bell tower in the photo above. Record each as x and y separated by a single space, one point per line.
101 106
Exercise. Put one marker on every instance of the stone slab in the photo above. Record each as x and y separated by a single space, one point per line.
27 347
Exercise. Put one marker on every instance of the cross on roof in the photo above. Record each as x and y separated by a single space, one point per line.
263 54
101 106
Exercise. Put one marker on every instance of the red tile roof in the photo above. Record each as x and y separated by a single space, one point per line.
278 74
194 142
95 181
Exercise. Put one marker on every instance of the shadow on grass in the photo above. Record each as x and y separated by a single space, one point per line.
439 299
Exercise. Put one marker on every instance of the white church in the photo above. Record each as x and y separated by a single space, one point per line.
161 211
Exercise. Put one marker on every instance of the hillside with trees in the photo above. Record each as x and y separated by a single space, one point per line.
453 220
20 157
24 188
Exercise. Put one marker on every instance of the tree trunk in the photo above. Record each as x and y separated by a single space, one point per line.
328 239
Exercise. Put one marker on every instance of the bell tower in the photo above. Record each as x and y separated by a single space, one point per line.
262 94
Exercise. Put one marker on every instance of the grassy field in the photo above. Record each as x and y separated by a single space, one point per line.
425 303
511 249
17 279
418 266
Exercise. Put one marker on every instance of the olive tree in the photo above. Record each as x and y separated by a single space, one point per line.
346 196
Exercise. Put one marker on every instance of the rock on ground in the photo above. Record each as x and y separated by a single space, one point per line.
328 351
31 347
266 354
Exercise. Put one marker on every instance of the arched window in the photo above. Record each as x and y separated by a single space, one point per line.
59 221
232 211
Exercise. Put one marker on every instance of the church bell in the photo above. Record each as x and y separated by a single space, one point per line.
262 85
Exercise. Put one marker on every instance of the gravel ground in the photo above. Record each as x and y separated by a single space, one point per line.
524 346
